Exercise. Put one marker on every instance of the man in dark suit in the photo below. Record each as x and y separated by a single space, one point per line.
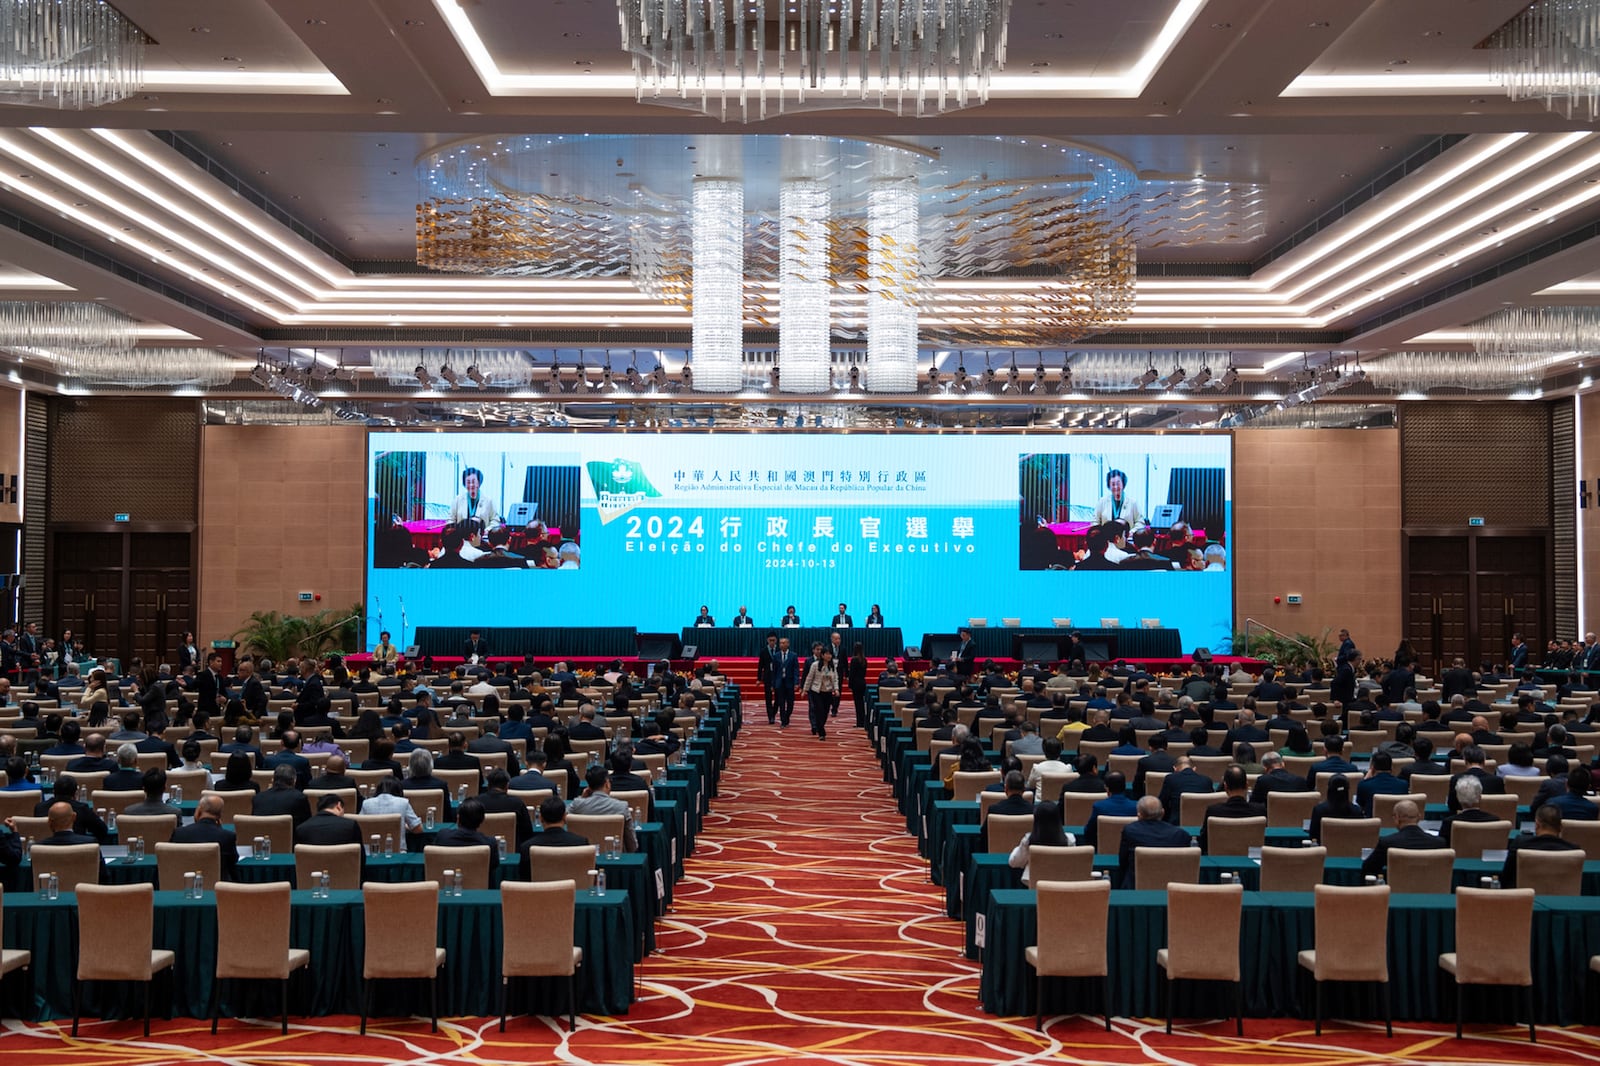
1407 834
456 758
1546 836
1236 784
93 760
1274 778
742 620
1333 762
842 620
585 728
785 677
1245 732
1380 780
1117 804
496 799
207 828
533 778
283 797
516 725
475 647
61 819
1518 660
1268 691
419 778
86 822
290 756
491 744
465 833
1423 762
252 691
127 777
1150 831
1158 761
1347 648
328 826
1183 779
1457 681
766 664
243 740
1100 729
1555 768
1575 804
965 656
1475 759
333 776
1342 689
553 813
210 688
1468 794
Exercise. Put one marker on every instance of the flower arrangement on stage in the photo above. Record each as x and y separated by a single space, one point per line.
916 676
585 676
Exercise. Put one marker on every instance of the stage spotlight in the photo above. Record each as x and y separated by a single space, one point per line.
1013 383
424 378
449 375
934 383
772 379
476 376
1174 379
261 376
1201 377
1147 378
961 383
1229 378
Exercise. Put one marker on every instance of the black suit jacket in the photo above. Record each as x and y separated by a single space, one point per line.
1529 842
1410 837
1158 762
1143 834
325 828
1176 784
1493 785
290 801
1232 807
479 647
456 837
500 803
1279 780
207 832
254 695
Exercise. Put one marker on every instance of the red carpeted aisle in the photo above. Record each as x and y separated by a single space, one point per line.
806 931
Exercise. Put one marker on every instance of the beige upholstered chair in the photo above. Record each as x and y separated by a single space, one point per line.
1345 837
234 803
536 937
501 824
13 804
1235 836
39 828
473 864
1352 938
115 801
1524 788
967 784
456 778
347 796
1435 786
989 799
1005 831
147 827
253 939
1383 805
116 930
1203 939
561 864
1075 806
193 782
1156 868
379 825
1471 839
1108 834
1584 834
175 860
1192 806
1047 863
595 827
1292 869
1502 807
413 907
532 797
1505 958
1290 810
1418 870
423 798
341 862
638 799
1551 873
278 828
1073 916
76 864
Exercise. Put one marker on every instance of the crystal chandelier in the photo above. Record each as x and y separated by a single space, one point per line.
484 367
58 325
893 271
144 368
1551 52
936 55
68 53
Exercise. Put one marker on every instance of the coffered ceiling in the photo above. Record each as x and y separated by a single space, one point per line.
262 191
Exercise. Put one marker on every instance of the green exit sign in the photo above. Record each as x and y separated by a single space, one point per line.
1474 521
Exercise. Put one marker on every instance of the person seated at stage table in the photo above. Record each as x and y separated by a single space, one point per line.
842 620
704 620
874 618
790 620
742 620
1408 834
1116 505
472 503
1148 831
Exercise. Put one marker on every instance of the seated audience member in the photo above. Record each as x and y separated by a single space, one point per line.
1237 785
419 778
86 821
466 831
155 796
1469 794
1183 779
207 828
389 798
61 820
329 825
282 798
597 799
553 815
1275 778
496 799
1546 836
1380 781
1117 804
1575 804
1150 830
1408 834
1046 832
1337 805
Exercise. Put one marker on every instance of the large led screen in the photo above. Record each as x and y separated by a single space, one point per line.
597 529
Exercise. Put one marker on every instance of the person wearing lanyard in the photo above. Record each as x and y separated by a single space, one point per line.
472 503
1116 505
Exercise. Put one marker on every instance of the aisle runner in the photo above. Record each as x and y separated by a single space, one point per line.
806 931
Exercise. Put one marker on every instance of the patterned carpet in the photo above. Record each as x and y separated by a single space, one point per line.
806 931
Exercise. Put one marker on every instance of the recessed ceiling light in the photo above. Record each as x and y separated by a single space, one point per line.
199 29
316 22
1321 25
231 59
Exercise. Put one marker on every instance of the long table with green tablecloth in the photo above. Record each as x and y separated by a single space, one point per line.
1275 927
469 930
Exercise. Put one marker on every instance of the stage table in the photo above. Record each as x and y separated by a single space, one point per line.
469 930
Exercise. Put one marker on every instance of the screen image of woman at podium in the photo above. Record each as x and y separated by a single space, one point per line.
416 525
1128 511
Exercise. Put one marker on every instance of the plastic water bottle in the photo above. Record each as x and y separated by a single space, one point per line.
255 847
446 889
27 849
594 884
388 845
500 847
316 884
538 822
110 818
461 794
266 847
52 886
600 882
83 793
457 884
373 845
610 848
429 820
188 884
138 849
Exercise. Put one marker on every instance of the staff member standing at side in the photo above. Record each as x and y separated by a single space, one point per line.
822 691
